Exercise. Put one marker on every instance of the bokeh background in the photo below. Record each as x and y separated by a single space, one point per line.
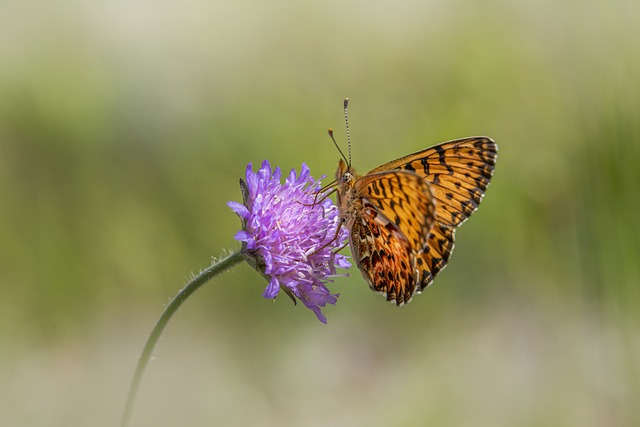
125 126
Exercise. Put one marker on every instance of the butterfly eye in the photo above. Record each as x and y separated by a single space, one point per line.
346 177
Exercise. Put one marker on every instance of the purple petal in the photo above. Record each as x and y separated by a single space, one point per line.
277 174
321 317
240 209
271 291
243 236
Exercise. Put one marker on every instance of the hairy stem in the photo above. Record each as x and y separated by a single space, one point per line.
204 276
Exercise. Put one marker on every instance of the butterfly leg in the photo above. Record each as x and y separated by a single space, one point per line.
341 248
324 196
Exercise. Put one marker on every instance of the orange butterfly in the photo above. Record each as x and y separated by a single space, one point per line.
402 215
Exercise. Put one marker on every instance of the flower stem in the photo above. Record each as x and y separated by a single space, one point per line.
204 276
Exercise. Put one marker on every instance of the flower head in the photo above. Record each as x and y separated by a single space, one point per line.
289 234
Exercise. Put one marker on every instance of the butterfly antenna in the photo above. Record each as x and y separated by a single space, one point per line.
337 146
346 122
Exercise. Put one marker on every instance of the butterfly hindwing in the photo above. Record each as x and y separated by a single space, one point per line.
396 212
384 255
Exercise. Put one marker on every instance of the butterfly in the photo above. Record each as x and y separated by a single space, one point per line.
402 215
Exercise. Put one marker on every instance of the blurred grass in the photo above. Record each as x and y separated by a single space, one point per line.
124 127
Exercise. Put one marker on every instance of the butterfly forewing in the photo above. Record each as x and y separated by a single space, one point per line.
434 256
459 172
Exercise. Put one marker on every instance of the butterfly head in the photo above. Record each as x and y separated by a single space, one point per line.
344 174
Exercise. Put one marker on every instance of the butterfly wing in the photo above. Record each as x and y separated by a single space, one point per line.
397 211
458 173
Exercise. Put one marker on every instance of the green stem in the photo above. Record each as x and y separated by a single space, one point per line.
204 276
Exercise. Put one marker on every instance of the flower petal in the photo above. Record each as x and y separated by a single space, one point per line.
271 291
239 209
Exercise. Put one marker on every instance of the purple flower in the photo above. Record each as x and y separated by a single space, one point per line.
289 235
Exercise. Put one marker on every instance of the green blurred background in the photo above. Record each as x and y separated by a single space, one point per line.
125 126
